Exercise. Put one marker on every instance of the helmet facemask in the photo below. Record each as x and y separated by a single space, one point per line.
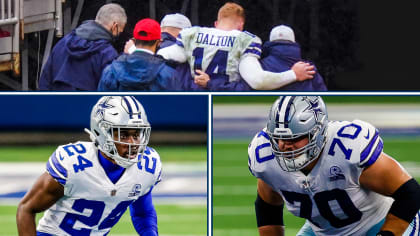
297 159
131 141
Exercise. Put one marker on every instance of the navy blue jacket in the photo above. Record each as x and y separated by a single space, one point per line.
281 56
139 71
78 59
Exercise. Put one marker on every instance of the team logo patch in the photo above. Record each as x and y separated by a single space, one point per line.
336 173
135 190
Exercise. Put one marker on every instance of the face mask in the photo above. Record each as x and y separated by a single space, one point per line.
115 37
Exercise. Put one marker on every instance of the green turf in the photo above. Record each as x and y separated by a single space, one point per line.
234 188
42 153
220 99
172 220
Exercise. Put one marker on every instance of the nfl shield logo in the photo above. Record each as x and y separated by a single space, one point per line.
113 192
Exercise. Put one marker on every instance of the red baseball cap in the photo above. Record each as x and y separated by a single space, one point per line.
149 27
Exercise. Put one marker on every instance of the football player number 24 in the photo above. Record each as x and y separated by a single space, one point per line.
96 207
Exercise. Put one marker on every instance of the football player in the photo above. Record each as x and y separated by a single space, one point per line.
88 186
226 53
332 173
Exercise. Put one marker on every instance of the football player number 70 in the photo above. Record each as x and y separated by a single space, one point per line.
322 199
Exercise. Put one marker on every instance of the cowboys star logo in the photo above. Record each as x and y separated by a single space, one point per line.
314 107
101 108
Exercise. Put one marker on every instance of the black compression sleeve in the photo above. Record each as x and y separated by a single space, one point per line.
268 214
406 204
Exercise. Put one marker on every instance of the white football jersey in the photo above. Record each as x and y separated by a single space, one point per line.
92 203
330 196
216 51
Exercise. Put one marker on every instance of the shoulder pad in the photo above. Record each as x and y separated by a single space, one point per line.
60 163
151 162
357 141
259 152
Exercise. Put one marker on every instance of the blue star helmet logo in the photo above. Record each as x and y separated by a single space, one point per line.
102 107
314 107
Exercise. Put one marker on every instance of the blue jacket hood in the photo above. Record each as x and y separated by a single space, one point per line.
91 30
87 39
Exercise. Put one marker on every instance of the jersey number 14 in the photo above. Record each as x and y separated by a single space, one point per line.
219 61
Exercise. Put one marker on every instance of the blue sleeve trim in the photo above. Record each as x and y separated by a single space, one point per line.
264 134
369 147
375 155
57 165
256 45
253 51
143 215
54 174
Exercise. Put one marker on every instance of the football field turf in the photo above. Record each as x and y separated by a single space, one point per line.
173 219
234 188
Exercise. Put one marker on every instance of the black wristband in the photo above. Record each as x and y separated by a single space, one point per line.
385 233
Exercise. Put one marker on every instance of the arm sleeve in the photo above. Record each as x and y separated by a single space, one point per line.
143 215
173 52
250 69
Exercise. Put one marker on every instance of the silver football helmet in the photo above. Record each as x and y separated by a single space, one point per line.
294 117
120 120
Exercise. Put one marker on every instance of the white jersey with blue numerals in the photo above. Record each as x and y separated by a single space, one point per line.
330 196
216 51
92 204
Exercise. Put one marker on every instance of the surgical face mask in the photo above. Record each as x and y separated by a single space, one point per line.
115 37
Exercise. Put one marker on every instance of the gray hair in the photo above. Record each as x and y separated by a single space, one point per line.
109 13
